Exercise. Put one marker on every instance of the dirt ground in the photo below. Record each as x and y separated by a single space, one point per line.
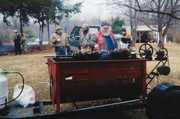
35 71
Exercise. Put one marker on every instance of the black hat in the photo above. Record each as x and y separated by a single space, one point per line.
123 30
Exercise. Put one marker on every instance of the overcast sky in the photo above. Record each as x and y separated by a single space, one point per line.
95 8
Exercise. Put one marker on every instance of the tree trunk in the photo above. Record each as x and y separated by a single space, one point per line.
131 15
48 29
133 22
39 31
21 22
42 31
161 38
160 29
40 35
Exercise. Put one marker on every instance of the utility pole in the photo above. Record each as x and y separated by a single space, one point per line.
130 17
133 20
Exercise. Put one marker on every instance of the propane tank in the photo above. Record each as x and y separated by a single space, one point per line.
3 89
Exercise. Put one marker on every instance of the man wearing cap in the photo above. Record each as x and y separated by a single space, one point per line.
87 41
125 42
59 41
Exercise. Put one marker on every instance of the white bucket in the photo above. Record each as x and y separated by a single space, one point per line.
2 102
3 90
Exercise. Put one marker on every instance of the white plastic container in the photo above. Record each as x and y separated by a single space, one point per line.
3 89
26 98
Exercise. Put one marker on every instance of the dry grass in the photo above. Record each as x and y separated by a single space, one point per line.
174 59
34 69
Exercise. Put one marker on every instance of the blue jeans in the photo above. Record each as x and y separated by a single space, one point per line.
60 51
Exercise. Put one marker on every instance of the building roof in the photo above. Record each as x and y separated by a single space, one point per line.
143 28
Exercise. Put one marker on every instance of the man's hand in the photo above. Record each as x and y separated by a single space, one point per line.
58 39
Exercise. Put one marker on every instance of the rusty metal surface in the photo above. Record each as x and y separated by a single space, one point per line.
90 80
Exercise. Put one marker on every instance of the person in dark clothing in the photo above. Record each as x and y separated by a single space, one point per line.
17 43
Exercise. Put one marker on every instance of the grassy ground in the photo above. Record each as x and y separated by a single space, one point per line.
35 71
174 59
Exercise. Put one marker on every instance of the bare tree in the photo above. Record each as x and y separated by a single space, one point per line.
128 12
161 12
133 19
